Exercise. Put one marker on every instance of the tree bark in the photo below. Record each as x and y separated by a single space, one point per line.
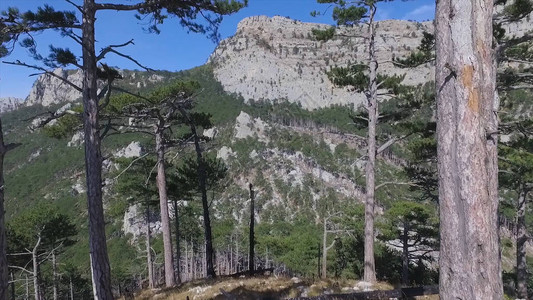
178 249
252 236
202 182
324 251
54 274
35 261
100 270
405 254
469 261
163 203
3 241
369 263
71 289
521 239
149 261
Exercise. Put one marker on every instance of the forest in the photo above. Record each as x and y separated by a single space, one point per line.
159 184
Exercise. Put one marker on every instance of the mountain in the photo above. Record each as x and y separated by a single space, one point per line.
10 104
278 59
278 123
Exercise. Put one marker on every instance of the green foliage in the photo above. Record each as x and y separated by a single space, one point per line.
186 176
189 13
64 127
423 55
518 9
43 220
323 35
294 244
420 220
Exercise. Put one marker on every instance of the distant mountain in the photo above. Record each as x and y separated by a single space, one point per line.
278 58
10 103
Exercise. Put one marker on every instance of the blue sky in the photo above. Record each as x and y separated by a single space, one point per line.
174 49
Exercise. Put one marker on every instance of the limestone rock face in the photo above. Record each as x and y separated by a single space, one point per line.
278 59
9 104
48 89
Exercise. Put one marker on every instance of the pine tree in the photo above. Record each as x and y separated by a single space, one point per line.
364 78
15 24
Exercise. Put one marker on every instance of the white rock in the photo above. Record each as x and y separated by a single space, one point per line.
10 104
277 58
78 188
76 140
134 149
364 286
246 126
225 153
211 132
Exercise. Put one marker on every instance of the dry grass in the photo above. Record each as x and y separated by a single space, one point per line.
256 288
242 288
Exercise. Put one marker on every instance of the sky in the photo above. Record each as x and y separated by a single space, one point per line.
174 48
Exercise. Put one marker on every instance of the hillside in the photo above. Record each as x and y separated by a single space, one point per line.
278 123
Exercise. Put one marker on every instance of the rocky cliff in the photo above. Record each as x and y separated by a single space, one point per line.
49 90
9 104
278 58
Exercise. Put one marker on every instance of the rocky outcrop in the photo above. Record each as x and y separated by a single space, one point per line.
9 104
48 89
278 59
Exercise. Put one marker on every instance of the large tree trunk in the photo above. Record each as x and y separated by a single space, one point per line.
100 270
252 236
521 239
149 260
3 245
163 203
369 264
467 154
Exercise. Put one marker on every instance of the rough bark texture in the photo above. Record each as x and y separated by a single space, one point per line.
163 203
370 268
252 235
3 245
521 239
467 154
100 270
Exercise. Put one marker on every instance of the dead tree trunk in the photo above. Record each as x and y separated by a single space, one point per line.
467 151
54 274
163 204
252 236
149 260
100 270
178 250
35 261
521 240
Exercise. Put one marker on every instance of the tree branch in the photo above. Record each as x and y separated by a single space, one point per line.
19 63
